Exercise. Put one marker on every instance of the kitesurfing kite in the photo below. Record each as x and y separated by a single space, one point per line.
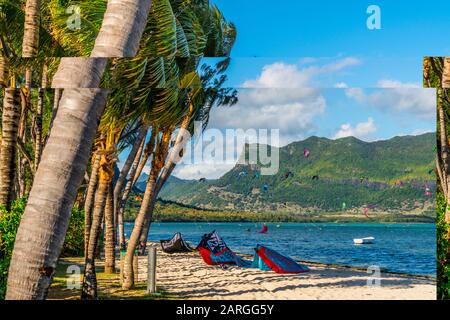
265 188
306 152
264 229
202 180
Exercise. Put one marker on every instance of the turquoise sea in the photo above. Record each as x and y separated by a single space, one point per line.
405 248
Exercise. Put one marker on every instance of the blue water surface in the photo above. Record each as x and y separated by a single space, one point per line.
405 248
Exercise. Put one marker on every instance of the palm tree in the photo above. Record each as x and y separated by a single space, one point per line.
446 73
118 188
89 199
44 223
106 172
8 153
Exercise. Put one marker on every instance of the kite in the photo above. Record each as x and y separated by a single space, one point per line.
306 152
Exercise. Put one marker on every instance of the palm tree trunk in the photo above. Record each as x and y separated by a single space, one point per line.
446 73
128 272
148 151
444 154
31 34
56 99
3 73
89 202
122 27
109 232
176 154
10 125
148 219
157 164
89 290
129 185
39 111
121 180
44 223
25 100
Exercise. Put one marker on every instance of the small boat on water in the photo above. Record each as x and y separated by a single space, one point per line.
368 240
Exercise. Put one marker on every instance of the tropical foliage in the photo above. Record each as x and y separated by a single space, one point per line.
436 74
155 96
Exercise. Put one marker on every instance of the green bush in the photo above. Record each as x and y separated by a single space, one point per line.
9 223
74 241
443 248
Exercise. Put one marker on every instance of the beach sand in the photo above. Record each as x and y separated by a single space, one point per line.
188 277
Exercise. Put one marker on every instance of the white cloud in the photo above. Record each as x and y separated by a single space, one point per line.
283 75
405 99
389 83
293 112
202 170
362 130
341 85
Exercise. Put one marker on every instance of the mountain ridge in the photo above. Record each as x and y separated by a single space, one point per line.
385 175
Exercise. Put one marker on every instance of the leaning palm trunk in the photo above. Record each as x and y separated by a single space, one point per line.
128 272
109 232
31 27
105 176
157 164
123 175
148 218
8 151
89 201
90 280
175 155
126 192
148 151
44 223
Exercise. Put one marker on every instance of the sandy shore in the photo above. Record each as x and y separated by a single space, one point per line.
187 276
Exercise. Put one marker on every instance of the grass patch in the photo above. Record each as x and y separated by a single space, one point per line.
108 285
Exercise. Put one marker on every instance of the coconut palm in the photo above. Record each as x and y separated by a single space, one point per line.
30 42
8 153
446 73
42 229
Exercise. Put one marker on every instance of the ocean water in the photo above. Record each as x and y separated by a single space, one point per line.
405 248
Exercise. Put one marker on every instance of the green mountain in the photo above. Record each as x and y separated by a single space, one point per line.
385 176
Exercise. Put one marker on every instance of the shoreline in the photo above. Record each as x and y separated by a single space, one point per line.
324 281
301 222
185 276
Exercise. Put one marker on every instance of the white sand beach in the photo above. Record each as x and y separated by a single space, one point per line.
188 277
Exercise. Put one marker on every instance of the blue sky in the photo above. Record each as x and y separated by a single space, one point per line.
292 29
287 46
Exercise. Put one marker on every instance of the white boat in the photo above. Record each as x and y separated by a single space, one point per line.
367 240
